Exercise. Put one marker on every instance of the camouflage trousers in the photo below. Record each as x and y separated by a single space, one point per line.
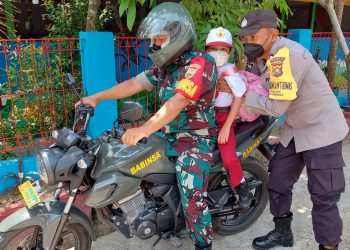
195 152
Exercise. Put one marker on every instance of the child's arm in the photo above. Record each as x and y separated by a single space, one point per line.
225 131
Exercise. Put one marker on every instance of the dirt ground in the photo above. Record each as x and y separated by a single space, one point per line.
302 226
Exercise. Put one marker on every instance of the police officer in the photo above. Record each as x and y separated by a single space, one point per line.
185 81
313 130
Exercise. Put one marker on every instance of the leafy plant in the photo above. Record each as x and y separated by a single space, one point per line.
68 18
7 18
38 100
208 14
129 7
10 196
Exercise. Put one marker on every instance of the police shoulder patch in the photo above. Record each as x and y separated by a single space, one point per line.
282 83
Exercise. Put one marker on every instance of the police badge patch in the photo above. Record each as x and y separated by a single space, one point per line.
277 66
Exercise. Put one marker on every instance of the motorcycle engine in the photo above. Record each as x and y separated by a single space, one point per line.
141 216
151 216
144 226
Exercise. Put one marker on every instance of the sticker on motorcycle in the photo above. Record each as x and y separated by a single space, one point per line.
145 163
251 147
29 194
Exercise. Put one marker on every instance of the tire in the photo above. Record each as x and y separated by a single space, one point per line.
32 237
248 217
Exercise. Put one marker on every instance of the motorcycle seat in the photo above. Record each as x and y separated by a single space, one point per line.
245 130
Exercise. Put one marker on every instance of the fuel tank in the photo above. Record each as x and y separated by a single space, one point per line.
136 161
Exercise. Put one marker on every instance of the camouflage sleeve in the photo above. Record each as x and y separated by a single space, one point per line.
148 78
191 85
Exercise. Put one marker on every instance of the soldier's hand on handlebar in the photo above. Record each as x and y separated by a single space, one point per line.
133 136
89 100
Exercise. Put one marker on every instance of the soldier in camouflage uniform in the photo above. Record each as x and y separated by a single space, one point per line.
185 79
192 134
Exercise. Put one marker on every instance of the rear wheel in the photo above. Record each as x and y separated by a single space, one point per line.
74 236
241 220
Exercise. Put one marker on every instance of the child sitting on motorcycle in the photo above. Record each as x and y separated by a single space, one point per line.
231 87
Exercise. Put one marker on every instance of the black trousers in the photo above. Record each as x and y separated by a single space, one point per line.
325 184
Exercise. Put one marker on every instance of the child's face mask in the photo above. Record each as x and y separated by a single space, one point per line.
220 57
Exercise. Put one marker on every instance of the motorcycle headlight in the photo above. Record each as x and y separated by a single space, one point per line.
46 162
41 168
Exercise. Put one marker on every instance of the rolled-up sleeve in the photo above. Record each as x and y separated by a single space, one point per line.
149 77
259 104
143 80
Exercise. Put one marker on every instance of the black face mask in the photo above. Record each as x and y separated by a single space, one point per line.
253 50
154 48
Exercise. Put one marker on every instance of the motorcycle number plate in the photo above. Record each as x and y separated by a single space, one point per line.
29 194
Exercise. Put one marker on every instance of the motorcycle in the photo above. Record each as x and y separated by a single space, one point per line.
131 189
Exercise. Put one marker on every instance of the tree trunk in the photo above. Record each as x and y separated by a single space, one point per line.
332 59
328 5
92 15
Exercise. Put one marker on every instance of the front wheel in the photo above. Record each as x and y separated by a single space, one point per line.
254 171
74 236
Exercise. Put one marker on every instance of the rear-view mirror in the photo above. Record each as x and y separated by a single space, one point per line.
131 111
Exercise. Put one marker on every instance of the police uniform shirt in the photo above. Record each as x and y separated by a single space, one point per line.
298 89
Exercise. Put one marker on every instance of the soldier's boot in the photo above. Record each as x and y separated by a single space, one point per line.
199 246
245 196
321 247
281 235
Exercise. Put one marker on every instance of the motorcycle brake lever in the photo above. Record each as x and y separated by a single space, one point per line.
142 141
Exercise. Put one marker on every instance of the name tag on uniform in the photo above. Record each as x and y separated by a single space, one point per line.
282 83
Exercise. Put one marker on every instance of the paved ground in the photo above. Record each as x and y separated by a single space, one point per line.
302 226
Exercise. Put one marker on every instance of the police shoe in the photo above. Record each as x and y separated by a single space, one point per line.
282 235
321 247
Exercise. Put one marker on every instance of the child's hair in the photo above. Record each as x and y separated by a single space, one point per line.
219 37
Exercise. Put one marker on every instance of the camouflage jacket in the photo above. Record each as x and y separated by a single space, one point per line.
194 76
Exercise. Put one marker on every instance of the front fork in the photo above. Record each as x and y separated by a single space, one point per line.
65 215
73 193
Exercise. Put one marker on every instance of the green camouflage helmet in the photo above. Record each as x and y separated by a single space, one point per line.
176 22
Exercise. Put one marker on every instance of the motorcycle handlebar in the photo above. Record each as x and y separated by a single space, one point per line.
87 111
142 141
83 110
118 133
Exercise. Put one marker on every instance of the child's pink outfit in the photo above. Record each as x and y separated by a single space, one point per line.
252 82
